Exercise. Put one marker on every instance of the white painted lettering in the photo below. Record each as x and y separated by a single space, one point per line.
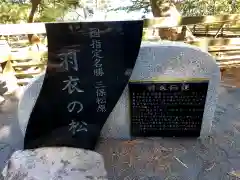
75 127
71 85
94 33
75 105
67 59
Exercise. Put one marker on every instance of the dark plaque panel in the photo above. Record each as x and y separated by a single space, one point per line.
167 109
89 65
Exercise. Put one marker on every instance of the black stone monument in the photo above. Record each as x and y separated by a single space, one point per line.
89 65
167 109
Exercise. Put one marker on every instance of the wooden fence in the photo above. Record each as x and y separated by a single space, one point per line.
26 64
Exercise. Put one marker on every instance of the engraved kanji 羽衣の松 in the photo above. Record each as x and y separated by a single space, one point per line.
75 127
72 85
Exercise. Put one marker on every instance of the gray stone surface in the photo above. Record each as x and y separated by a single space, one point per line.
216 157
162 61
11 137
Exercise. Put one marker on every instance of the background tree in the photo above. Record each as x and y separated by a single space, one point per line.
161 8
49 10
187 7
209 7
166 8
12 12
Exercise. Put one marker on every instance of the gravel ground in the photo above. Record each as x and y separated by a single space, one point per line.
216 157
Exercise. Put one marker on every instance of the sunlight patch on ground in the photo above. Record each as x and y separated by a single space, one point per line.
4 132
235 173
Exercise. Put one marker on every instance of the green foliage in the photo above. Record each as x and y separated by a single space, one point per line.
48 11
13 12
209 7
136 6
192 7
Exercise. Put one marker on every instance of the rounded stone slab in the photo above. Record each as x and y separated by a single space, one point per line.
155 60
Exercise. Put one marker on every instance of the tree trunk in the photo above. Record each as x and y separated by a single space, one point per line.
33 39
166 8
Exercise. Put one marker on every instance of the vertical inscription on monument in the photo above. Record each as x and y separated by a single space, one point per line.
167 109
98 71
69 62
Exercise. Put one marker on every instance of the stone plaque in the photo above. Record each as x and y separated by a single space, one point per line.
167 109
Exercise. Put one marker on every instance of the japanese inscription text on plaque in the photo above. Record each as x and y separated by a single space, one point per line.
167 109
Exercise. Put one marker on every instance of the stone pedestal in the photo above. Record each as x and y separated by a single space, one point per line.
155 61
167 60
